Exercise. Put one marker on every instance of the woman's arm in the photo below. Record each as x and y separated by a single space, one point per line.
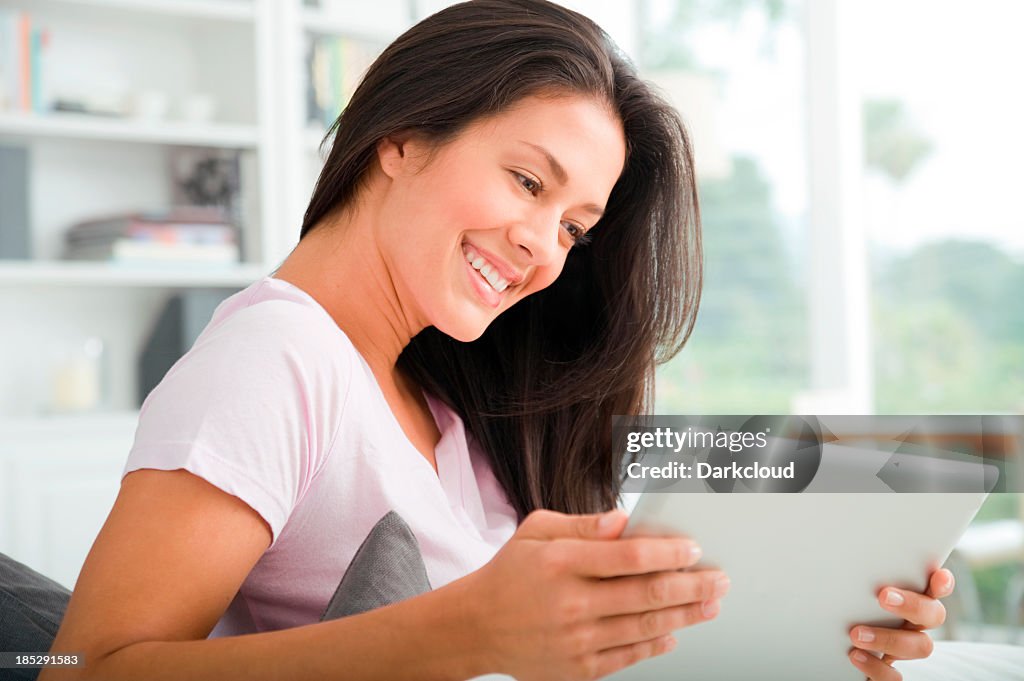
169 559
422 638
565 598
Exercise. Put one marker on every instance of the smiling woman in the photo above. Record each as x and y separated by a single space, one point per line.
502 245
527 130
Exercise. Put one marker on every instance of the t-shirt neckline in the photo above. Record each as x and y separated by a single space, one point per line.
447 466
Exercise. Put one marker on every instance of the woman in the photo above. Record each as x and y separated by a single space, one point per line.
502 244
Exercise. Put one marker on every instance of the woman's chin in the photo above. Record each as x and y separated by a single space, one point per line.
465 330
466 335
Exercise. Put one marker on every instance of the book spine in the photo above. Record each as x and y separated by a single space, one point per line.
42 71
35 87
24 61
169 232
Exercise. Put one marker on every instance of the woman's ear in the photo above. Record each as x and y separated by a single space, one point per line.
394 153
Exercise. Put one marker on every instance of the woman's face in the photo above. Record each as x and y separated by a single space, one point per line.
491 217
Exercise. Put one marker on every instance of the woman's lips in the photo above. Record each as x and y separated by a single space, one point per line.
487 294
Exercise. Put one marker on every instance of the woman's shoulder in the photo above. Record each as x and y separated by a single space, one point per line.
275 314
257 340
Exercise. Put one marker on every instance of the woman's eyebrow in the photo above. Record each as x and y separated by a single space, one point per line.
563 177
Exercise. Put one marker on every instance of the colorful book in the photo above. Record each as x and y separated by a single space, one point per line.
24 61
170 233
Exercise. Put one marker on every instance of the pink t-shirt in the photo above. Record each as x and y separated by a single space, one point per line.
274 405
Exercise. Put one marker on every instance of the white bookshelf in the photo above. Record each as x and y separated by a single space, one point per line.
74 126
250 56
247 55
59 473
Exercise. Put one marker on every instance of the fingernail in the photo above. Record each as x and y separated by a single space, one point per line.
721 586
865 635
710 608
695 552
893 598
860 656
670 644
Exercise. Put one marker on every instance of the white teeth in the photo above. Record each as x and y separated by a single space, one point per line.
490 274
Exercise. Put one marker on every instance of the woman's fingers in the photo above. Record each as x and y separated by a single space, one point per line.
628 629
923 611
545 524
622 595
872 667
941 583
900 644
629 556
608 661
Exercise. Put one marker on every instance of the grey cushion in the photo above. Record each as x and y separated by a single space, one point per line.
387 568
31 609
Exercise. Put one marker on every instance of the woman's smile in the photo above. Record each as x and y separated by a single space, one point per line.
489 275
489 285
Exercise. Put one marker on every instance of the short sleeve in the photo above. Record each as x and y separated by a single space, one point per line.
253 407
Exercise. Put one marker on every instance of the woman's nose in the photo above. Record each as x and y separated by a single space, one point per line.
537 239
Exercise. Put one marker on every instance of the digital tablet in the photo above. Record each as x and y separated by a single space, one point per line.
805 568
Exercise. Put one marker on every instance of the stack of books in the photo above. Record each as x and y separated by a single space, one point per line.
199 235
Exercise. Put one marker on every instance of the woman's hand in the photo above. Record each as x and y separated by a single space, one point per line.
921 611
561 600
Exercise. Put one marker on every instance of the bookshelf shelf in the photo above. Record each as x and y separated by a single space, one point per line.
73 274
86 127
225 10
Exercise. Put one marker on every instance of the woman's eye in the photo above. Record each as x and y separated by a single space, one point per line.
577 233
529 184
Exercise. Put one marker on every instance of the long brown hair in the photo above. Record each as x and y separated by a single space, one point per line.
539 388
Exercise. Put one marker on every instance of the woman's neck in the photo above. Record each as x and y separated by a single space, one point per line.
339 264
